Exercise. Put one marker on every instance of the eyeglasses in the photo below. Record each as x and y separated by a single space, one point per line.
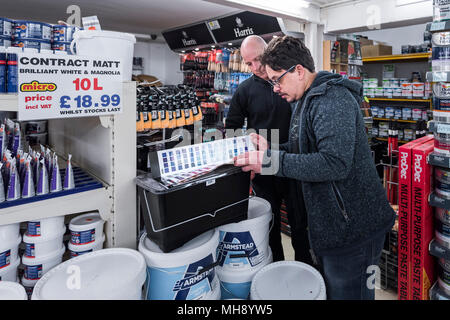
276 83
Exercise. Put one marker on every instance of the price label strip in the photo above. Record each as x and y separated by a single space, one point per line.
58 86
182 164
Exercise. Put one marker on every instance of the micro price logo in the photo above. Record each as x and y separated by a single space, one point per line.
35 86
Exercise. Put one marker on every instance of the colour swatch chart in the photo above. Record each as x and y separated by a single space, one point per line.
181 164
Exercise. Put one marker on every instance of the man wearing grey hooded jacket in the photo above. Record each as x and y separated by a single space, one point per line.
329 157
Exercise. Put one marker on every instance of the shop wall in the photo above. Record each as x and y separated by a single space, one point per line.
159 61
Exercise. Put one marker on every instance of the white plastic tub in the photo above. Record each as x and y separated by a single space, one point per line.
9 273
9 231
106 44
86 228
12 291
9 251
76 251
43 245
108 274
288 280
236 284
35 268
45 227
245 245
177 275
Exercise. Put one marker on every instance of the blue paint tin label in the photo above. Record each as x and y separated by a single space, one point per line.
5 41
29 250
82 237
11 74
33 272
34 228
2 72
32 29
74 254
6 26
32 43
5 258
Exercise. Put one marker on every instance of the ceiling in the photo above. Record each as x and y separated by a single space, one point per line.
135 16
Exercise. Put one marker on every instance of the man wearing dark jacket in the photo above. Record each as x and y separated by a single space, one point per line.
329 157
264 109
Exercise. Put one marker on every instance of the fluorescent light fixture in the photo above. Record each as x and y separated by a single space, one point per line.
269 3
400 3
230 44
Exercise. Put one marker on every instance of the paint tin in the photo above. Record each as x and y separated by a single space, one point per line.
381 112
371 92
32 44
379 92
442 143
6 26
2 71
398 113
386 83
62 33
406 113
395 83
11 72
5 41
417 114
32 30
397 92
389 112
61 46
407 89
388 92
408 134
400 134
403 80
440 58
441 116
374 111
441 10
418 89
373 82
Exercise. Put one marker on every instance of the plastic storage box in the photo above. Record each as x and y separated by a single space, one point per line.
175 215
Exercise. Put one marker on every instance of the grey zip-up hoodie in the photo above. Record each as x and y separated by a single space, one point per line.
345 201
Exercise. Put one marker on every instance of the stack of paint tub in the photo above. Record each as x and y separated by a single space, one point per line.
86 234
9 248
44 249
243 250
186 273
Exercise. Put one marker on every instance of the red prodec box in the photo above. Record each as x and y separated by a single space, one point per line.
422 226
404 216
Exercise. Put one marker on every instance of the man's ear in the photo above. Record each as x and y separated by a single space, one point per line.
300 71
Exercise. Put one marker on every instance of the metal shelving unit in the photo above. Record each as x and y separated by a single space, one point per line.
105 148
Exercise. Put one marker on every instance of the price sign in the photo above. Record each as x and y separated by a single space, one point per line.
60 86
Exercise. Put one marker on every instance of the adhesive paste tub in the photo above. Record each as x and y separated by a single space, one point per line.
45 227
43 245
86 228
288 280
12 291
9 249
236 284
35 268
9 273
108 274
245 245
76 251
186 273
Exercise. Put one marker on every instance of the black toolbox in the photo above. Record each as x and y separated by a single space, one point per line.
175 215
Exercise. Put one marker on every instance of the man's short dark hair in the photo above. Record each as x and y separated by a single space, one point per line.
285 52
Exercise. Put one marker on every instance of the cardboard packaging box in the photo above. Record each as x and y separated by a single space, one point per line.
404 216
376 50
365 42
422 226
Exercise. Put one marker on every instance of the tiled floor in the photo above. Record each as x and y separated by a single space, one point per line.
289 255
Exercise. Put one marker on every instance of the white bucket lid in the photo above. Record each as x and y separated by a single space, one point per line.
5 245
86 34
44 259
85 247
288 280
28 283
242 276
43 238
259 212
86 222
105 274
12 291
12 265
192 251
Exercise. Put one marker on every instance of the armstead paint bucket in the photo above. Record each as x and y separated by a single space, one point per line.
35 268
245 245
9 251
43 245
78 250
108 274
186 273
45 227
288 280
106 44
32 30
9 272
86 228
236 284
12 291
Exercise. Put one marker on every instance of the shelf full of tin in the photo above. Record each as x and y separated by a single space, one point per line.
104 146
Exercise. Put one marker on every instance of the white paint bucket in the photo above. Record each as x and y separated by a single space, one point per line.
236 284
12 291
86 228
35 268
9 249
76 251
245 245
43 245
9 273
45 227
9 231
106 44
109 274
177 275
288 280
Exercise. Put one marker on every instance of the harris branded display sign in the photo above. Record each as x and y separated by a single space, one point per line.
187 37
